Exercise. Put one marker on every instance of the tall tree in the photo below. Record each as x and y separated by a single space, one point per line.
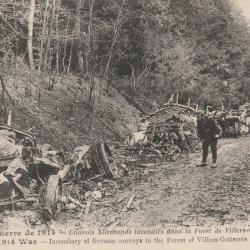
50 31
90 55
30 33
117 28
43 35
79 4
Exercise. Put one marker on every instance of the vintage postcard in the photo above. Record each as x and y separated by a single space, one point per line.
125 124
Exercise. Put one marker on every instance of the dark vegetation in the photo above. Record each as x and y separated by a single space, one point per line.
142 50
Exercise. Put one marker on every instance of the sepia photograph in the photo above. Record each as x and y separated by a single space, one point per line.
125 124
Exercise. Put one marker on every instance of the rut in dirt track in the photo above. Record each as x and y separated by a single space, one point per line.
187 195
179 194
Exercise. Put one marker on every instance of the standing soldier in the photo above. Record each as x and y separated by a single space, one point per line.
208 131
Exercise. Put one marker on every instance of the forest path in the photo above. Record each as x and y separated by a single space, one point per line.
187 195
172 194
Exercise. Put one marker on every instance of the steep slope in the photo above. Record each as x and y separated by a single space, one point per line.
60 114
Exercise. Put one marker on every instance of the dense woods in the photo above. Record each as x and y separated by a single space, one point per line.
143 48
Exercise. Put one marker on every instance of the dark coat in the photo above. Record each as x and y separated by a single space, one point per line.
208 128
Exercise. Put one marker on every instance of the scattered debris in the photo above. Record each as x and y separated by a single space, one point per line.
76 202
80 182
26 170
130 201
164 134
88 197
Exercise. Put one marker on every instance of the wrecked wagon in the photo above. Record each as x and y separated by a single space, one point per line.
28 172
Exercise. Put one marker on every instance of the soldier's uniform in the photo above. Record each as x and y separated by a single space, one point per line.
209 131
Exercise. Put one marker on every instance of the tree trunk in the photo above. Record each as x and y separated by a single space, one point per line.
117 26
43 35
47 46
79 4
57 44
70 54
30 33
65 44
90 57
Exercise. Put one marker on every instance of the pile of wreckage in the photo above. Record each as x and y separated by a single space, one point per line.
233 123
229 122
164 134
168 132
38 175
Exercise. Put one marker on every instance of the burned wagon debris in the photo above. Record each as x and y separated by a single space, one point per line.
230 121
164 134
27 175
34 173
38 173
96 160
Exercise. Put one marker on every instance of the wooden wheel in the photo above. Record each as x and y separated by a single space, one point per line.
52 194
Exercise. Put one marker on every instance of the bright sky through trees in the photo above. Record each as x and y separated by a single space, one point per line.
244 6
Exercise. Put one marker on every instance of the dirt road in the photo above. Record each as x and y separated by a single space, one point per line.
181 193
175 194
184 194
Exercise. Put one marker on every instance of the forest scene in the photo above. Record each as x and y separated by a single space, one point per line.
101 103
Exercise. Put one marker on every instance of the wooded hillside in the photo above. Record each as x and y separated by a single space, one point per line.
146 49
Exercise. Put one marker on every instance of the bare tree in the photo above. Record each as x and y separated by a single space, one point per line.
71 51
65 43
43 35
138 75
30 33
79 4
117 28
50 30
89 54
